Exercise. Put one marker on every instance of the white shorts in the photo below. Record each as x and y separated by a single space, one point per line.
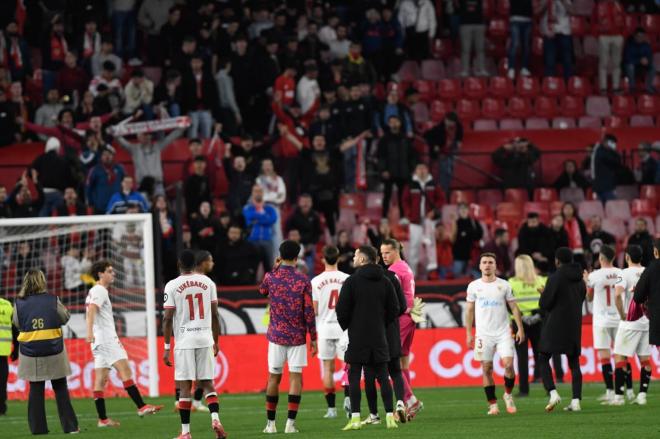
194 364
604 337
294 356
331 348
107 354
629 342
485 347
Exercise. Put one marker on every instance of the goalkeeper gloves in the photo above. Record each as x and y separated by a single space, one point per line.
417 311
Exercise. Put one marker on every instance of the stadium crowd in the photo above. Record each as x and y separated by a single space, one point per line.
295 104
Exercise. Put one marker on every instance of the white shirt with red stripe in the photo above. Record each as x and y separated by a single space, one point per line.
603 282
191 296
325 290
104 323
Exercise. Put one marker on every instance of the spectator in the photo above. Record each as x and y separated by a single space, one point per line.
170 36
576 231
310 46
648 173
54 46
139 94
123 27
22 202
18 59
169 94
557 236
392 51
200 100
356 68
72 80
609 23
422 201
638 55
63 131
229 111
197 186
308 223
396 159
127 198
106 55
605 165
533 238
26 258
390 107
165 231
242 72
346 252
328 33
237 260
254 152
571 177
597 238
285 85
152 16
72 206
520 22
516 160
500 246
9 128
103 181
466 233
443 247
224 224
146 155
444 140
642 238
205 228
556 31
372 38
47 113
240 184
321 180
307 90
473 34
5 209
90 42
107 87
417 17
383 232
54 174
326 126
341 46
275 196
259 219
73 267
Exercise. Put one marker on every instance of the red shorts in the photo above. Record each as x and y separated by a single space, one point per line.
407 330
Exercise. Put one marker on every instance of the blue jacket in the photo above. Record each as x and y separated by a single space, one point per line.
635 51
119 203
260 223
98 189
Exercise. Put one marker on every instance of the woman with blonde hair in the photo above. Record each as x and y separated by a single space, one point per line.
39 317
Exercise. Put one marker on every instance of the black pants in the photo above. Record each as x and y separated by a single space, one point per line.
417 44
394 370
379 371
533 334
4 375
329 209
37 407
576 373
387 195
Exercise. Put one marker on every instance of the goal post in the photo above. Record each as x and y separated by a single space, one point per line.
64 248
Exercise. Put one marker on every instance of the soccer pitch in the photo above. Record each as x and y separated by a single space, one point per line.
448 413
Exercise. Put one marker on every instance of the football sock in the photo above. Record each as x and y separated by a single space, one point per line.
407 389
213 405
606 368
645 376
490 394
347 393
184 414
629 378
199 394
619 377
294 402
509 383
99 401
134 393
177 394
330 397
271 406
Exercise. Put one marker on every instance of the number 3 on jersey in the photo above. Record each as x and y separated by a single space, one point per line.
191 305
334 297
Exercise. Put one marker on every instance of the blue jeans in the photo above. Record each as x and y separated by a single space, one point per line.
52 200
174 110
521 34
350 163
563 44
201 124
309 261
650 75
123 25
445 172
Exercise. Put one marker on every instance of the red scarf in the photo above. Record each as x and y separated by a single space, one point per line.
58 48
574 237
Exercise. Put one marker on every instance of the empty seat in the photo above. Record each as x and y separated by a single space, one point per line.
516 195
467 109
579 86
498 28
442 49
590 46
648 105
643 207
563 123
507 211
631 22
553 86
623 106
432 69
537 123
627 192
439 109
474 88
409 71
482 213
425 88
511 124
489 196
589 208
583 7
420 112
462 196
527 86
571 194
649 192
638 120
484 125
545 107
598 106
617 209
555 207
449 89
545 194
519 107
572 106
354 201
492 108
501 87
615 226
651 23
615 122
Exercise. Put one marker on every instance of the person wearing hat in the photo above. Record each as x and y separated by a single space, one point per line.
54 173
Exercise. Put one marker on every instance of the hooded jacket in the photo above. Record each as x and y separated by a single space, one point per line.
647 293
367 304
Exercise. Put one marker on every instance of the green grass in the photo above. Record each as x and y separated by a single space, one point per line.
448 413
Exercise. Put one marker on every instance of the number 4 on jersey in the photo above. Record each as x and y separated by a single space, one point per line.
334 297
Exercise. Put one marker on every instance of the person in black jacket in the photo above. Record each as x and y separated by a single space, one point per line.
197 187
21 202
647 293
54 175
516 160
561 302
444 140
396 162
597 238
200 101
240 184
532 240
605 165
367 304
308 223
642 238
205 228
571 177
238 259
467 231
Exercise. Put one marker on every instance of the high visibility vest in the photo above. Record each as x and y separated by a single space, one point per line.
6 311
527 296
39 325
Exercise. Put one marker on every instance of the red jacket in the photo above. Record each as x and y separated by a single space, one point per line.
413 194
287 87
283 147
608 18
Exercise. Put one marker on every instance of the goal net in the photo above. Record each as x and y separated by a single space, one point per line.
64 248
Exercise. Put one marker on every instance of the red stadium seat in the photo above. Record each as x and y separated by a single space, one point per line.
439 109
442 49
474 88
545 194
627 192
579 26
503 8
631 22
540 207
649 224
537 45
545 107
623 106
519 107
489 196
481 212
537 123
484 125
420 112
462 196
498 28
615 226
515 195
511 124
507 211
409 71
615 122
572 106
467 109
589 208
617 209
649 192
579 86
432 69
573 194
492 108
598 106
501 87
584 7
643 207
651 23
555 207
527 86
354 201
648 105
553 86
449 89
425 88
563 123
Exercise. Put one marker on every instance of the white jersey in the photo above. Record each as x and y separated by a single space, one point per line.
104 322
325 290
490 309
603 282
191 295
628 281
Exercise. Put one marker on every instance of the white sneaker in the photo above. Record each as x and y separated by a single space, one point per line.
510 405
270 428
641 399
617 400
290 427
525 72
347 406
197 406
464 74
401 412
554 401
606 397
331 413
630 395
511 73
371 420
574 406
493 410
